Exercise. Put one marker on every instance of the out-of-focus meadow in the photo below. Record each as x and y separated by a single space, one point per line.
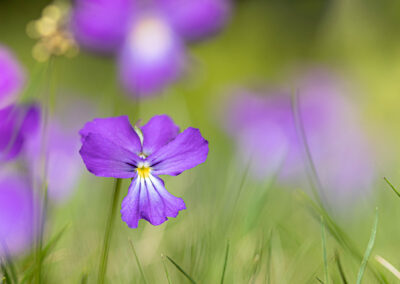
251 217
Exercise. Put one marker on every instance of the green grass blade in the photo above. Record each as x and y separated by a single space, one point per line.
138 262
181 270
340 268
6 276
225 262
392 187
84 278
368 250
340 236
324 250
108 233
53 242
166 269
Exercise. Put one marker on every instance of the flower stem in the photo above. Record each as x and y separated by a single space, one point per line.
108 233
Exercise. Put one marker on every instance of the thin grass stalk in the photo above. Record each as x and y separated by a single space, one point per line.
323 236
340 268
225 263
181 270
138 262
368 251
108 233
392 187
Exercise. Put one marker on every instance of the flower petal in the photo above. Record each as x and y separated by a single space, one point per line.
186 151
103 157
17 124
12 78
197 19
152 56
17 208
148 199
115 129
158 132
101 25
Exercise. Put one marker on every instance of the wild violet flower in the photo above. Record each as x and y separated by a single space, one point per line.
267 137
55 152
111 147
12 77
17 213
17 124
147 37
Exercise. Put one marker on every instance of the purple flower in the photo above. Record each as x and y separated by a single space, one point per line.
12 77
17 123
57 149
111 147
147 37
264 128
151 57
17 213
197 19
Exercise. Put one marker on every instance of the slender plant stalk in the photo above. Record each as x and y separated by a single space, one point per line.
166 269
138 262
323 236
340 268
225 263
392 187
368 250
181 270
41 218
108 233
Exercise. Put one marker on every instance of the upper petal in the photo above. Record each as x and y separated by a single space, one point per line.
197 19
115 129
158 132
17 123
101 25
186 151
152 56
103 157
148 199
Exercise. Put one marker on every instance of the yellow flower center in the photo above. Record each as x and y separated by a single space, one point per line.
143 171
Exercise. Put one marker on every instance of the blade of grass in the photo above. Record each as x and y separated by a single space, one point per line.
388 266
166 269
324 250
138 262
368 250
269 257
84 278
392 187
108 233
181 270
340 268
6 276
225 263
341 237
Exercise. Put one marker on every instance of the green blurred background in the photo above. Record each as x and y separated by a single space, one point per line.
272 235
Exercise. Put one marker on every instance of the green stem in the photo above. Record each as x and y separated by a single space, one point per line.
108 233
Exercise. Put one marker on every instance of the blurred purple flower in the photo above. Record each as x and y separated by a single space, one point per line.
12 77
57 150
17 213
111 147
148 37
17 124
268 139
196 19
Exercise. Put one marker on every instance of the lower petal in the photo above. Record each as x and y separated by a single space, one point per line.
148 199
